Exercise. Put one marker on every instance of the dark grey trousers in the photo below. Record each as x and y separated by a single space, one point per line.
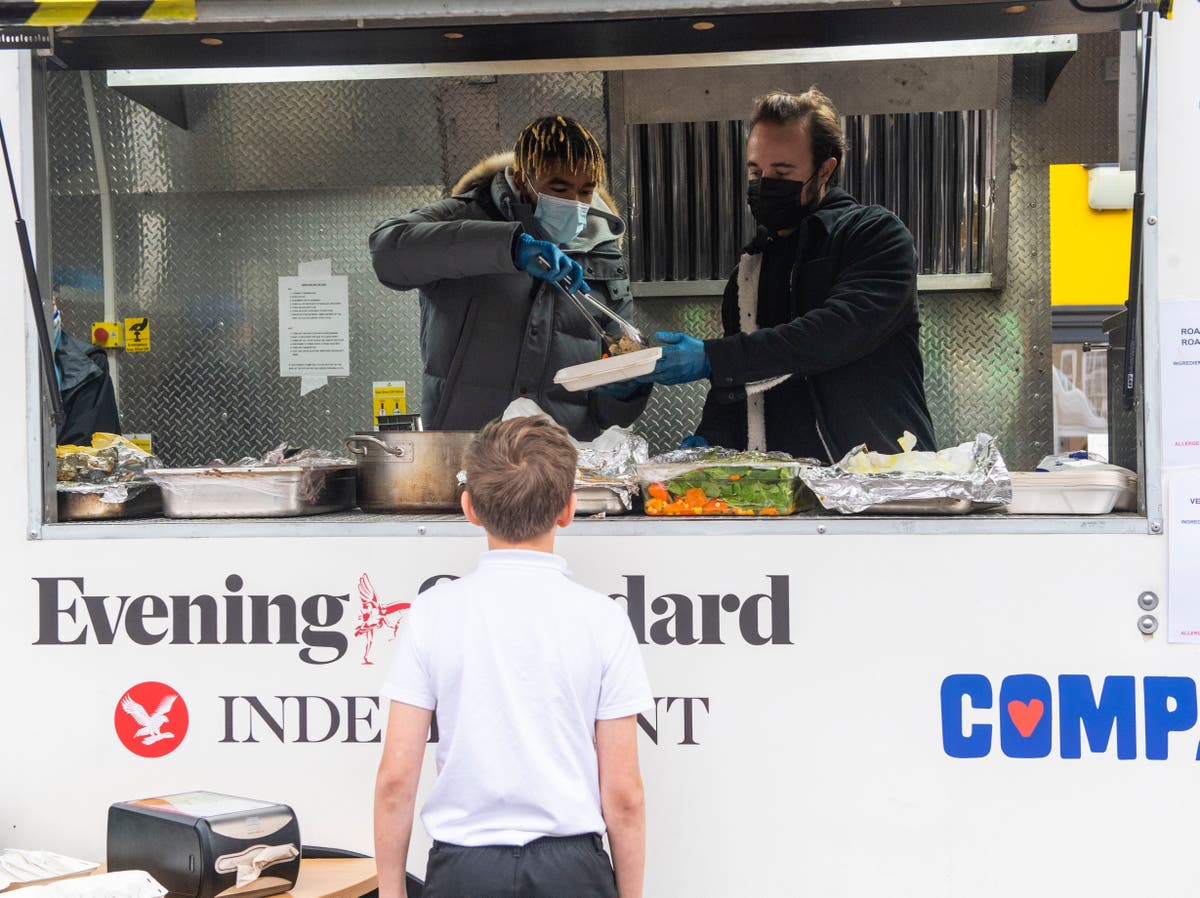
569 867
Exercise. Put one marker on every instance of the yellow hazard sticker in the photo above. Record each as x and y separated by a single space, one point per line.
137 334
388 397
62 12
75 12
170 9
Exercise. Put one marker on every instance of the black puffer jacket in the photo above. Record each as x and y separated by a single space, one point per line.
850 343
89 399
491 333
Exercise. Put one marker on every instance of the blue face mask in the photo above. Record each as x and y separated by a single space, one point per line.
560 220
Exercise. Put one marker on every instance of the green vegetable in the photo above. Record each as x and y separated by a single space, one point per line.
741 486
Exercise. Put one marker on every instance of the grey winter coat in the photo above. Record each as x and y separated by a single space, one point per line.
491 333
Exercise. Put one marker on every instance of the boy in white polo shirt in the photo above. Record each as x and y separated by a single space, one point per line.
537 682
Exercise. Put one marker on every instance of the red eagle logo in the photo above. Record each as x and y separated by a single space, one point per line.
151 734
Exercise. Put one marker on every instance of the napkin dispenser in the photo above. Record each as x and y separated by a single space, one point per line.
206 844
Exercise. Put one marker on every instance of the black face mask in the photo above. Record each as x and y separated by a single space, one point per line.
777 204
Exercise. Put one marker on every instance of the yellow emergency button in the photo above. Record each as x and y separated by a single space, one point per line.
137 334
107 334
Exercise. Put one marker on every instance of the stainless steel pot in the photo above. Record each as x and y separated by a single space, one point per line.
409 471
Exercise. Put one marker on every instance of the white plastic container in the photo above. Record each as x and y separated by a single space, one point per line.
1076 491
608 371
597 500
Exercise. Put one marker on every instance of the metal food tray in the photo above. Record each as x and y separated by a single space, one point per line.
266 492
947 505
144 499
598 500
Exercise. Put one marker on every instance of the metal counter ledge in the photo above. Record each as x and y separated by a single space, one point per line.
361 524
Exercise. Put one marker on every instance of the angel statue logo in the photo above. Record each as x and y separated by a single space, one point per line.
374 615
151 719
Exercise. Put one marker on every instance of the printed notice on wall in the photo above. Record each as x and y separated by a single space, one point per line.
314 327
1179 341
1183 549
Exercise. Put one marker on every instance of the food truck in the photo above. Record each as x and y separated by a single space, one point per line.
944 701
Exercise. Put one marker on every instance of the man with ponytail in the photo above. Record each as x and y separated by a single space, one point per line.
821 347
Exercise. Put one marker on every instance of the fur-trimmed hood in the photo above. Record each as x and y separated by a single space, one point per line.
485 169
604 221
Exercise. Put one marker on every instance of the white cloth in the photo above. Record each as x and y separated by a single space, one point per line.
519 662
749 271
122 884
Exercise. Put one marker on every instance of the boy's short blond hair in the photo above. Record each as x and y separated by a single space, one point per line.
520 476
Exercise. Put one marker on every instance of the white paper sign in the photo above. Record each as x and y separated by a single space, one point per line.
1183 548
314 327
1179 339
314 269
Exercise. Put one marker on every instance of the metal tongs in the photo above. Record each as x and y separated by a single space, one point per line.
582 299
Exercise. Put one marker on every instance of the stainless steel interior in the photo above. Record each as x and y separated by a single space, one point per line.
272 175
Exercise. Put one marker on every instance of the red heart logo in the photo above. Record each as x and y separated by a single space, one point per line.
1025 717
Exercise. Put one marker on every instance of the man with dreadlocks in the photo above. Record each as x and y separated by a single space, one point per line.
493 326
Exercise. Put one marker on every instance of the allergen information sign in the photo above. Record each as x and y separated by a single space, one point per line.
1183 566
1179 341
314 327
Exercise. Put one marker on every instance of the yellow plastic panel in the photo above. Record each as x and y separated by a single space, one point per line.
1089 250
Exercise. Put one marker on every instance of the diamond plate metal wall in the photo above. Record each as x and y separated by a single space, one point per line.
674 412
298 136
987 355
579 94
206 220
273 175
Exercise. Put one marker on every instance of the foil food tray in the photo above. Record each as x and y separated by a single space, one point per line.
92 502
258 492
985 483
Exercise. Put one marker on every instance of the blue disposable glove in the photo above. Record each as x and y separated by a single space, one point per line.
695 441
620 390
527 250
683 360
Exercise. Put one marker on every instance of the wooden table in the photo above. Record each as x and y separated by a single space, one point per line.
349 877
